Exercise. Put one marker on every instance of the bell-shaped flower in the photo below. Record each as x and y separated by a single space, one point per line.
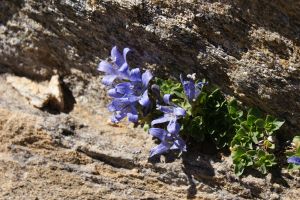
171 112
118 68
128 94
294 160
191 89
124 107
137 87
170 139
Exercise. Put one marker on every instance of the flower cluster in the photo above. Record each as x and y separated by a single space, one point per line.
187 111
170 138
128 88
191 89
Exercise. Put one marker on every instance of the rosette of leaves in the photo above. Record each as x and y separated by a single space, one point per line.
207 117
254 142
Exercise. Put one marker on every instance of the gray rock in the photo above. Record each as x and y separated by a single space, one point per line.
250 50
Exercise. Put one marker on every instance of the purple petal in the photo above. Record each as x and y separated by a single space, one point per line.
111 108
173 127
132 98
294 160
124 88
132 117
179 144
158 132
114 119
159 149
114 93
198 89
179 111
145 101
124 70
119 104
146 77
189 89
135 74
200 85
106 67
167 98
117 57
125 51
197 93
165 109
162 119
120 90
118 117
108 79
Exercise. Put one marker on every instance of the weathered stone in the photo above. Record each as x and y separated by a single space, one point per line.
40 94
78 155
248 48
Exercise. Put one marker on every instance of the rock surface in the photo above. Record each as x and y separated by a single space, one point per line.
40 95
248 48
78 155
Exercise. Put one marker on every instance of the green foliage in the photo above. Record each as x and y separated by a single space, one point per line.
170 87
212 117
253 142
295 151
207 117
217 125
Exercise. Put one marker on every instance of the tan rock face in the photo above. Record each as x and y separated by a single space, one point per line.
39 94
80 156
249 49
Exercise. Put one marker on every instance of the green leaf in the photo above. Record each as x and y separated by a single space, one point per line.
263 169
237 152
250 120
269 144
293 167
179 94
272 124
233 110
255 134
259 123
195 128
254 112
239 169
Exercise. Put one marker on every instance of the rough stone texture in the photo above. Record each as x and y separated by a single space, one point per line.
80 156
248 48
40 95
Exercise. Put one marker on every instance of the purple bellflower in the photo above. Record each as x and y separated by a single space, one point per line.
170 139
117 69
294 160
171 112
124 107
191 89
127 95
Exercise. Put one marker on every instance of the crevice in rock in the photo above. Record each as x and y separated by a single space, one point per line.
69 99
116 162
